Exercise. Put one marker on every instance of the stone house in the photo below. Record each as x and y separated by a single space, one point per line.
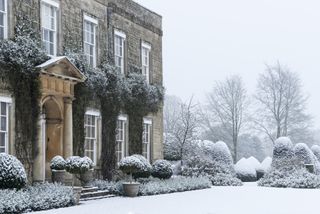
122 30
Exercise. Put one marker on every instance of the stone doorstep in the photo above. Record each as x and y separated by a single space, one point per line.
97 198
95 194
89 189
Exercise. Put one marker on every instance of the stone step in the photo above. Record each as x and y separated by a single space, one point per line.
89 189
95 194
97 198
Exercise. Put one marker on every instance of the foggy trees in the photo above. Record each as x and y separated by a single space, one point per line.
225 114
282 105
180 124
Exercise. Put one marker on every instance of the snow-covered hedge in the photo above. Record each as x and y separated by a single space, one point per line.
246 170
12 173
303 154
58 163
162 169
266 164
111 186
290 178
287 170
316 151
146 170
40 197
222 179
78 165
213 160
177 184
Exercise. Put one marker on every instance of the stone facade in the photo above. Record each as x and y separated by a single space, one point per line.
136 22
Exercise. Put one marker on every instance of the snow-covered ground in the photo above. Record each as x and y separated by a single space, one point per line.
248 199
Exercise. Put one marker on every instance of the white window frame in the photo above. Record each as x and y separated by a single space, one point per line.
8 101
123 119
96 115
145 63
94 22
5 19
147 122
122 36
55 5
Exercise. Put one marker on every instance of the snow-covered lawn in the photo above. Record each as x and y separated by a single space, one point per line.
248 199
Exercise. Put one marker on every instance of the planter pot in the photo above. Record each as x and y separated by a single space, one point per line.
131 189
77 194
86 178
58 176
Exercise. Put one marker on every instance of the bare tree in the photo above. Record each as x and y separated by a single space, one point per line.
282 105
180 126
225 113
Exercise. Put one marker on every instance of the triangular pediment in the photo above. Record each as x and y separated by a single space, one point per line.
62 67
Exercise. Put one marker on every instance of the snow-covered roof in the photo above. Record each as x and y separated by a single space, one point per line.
72 73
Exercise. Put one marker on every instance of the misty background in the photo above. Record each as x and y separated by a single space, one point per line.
209 40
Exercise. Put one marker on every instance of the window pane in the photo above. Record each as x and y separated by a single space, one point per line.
2 6
3 108
1 33
3 124
2 139
1 19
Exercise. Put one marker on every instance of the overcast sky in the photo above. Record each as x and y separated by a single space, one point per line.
208 40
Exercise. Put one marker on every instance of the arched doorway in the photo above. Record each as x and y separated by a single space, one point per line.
52 130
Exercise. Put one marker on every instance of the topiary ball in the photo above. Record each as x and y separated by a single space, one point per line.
130 165
58 163
147 168
162 169
12 173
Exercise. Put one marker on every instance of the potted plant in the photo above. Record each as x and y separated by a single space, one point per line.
74 167
130 165
58 169
86 174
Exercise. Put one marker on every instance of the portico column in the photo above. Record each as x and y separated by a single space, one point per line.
67 128
39 161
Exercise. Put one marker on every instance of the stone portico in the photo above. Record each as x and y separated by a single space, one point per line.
58 77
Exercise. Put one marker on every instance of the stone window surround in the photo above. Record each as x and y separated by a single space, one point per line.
56 5
146 46
5 19
147 122
8 101
87 18
122 35
124 119
97 115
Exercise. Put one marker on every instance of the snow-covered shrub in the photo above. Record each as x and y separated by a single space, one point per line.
14 201
222 179
12 173
171 150
293 178
316 151
34 198
245 170
283 154
303 154
78 165
147 168
131 165
162 169
50 196
213 160
177 184
58 163
266 164
286 169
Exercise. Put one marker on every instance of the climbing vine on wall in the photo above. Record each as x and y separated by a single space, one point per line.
19 57
112 92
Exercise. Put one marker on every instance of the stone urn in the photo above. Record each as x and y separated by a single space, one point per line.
58 176
131 189
77 194
86 178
